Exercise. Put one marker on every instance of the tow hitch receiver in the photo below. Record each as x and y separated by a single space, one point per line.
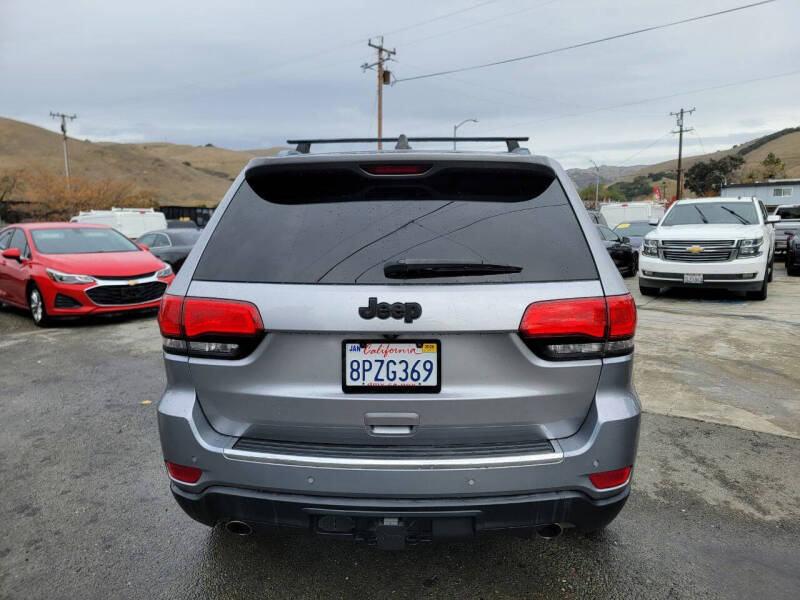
390 534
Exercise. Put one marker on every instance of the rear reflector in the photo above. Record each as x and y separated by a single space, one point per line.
184 474
397 169
210 327
610 479
580 327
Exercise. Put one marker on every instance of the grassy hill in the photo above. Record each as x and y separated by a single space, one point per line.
200 175
608 174
785 144
182 175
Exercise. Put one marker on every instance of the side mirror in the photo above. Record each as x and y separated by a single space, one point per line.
12 253
626 239
143 246
773 218
654 221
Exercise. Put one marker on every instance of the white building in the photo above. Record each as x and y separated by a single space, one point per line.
773 192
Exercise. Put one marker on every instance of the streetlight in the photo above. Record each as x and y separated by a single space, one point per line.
596 183
455 129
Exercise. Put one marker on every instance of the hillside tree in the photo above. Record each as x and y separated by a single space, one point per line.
43 195
706 177
773 167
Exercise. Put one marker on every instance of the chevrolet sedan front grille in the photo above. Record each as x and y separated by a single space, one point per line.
112 295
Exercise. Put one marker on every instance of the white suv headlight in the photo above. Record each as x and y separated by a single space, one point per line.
650 247
750 248
60 277
165 272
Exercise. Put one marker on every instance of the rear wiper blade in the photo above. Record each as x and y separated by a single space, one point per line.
425 268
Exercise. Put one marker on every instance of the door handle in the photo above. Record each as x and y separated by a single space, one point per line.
391 424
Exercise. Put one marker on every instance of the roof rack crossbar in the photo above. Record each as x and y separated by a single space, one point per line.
304 146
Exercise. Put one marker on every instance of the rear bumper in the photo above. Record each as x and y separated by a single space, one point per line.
606 440
421 520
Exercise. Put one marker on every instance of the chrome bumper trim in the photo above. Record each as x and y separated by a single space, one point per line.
477 462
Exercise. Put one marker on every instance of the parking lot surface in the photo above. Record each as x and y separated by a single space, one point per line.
85 510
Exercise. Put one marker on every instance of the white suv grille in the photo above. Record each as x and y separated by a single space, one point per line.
698 251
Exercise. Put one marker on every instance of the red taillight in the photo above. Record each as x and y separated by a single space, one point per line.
576 317
211 327
397 169
212 317
169 316
580 327
621 317
610 479
184 474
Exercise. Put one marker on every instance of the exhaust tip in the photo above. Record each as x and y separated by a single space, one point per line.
549 532
238 528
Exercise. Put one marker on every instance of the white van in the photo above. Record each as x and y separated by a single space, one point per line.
619 212
131 222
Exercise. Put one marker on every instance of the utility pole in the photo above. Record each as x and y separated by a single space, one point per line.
679 119
596 182
64 118
384 78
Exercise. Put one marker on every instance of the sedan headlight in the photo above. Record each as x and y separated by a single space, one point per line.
750 248
165 272
60 277
650 247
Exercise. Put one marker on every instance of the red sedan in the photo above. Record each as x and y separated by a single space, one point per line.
74 269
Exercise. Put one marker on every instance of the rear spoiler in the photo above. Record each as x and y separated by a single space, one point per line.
393 178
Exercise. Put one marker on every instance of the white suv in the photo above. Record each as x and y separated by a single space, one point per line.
724 243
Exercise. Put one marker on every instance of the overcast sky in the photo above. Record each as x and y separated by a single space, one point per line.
249 74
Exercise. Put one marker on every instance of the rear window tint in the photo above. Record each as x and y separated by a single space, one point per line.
337 227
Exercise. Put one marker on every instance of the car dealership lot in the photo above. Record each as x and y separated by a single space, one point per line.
715 509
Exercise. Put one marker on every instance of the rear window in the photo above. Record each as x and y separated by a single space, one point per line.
338 226
184 237
788 212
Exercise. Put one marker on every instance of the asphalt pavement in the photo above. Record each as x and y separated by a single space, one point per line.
85 510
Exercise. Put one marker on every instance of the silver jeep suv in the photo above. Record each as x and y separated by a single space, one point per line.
399 346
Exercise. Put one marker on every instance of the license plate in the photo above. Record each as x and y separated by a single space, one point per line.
693 278
370 366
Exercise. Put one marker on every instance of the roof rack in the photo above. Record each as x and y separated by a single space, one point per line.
304 146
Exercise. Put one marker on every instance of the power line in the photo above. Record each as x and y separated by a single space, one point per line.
699 139
584 44
479 23
644 149
656 98
440 17
242 74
